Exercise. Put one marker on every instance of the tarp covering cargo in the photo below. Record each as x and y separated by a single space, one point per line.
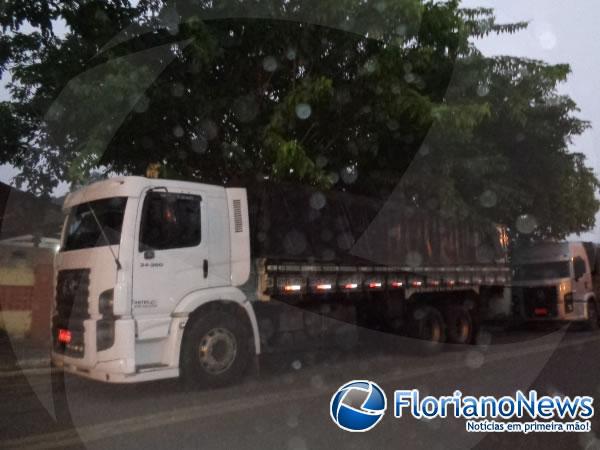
290 222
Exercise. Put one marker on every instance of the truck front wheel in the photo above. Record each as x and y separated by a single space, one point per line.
593 322
215 350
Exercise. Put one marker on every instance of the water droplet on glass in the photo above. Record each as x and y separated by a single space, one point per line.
297 443
488 199
526 224
178 131
474 359
483 90
296 365
291 54
142 104
294 242
269 64
349 174
317 200
414 259
303 111
177 89
245 108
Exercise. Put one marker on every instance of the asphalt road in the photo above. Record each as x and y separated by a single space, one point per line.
286 404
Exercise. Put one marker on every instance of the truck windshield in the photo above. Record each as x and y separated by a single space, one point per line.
542 271
82 230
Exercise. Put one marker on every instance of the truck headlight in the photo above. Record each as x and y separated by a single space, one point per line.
569 302
106 303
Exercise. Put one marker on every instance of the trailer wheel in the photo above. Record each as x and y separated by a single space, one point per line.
459 325
427 324
215 350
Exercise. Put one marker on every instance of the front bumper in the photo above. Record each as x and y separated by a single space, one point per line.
112 362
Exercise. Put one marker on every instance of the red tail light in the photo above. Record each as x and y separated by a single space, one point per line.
64 336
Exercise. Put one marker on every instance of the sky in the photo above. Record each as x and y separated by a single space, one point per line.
559 32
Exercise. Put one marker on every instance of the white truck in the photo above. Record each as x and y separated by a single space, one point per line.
155 278
556 281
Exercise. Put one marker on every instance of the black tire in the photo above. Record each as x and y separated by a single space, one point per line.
215 351
593 323
427 324
460 328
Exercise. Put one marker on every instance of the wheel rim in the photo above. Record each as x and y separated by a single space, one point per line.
217 350
461 328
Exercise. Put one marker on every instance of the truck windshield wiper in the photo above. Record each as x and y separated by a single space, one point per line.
104 236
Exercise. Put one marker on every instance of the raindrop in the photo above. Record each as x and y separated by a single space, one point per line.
392 124
178 131
142 104
199 145
370 66
297 443
345 241
177 90
474 359
291 54
488 199
269 64
316 381
414 259
321 161
380 7
294 242
210 129
333 177
296 365
328 255
483 90
409 77
245 108
303 111
292 421
526 224
349 174
317 200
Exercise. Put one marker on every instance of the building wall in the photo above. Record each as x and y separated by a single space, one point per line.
26 291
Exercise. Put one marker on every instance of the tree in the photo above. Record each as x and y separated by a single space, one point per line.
358 96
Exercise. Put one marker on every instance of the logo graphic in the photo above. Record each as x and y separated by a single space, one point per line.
358 406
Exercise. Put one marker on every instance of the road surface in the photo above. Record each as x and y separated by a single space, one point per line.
286 404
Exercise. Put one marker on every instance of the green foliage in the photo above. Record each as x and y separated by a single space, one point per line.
365 96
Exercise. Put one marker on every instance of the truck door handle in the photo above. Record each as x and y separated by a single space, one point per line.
205 268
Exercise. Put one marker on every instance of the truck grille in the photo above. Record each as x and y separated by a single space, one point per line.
72 292
540 301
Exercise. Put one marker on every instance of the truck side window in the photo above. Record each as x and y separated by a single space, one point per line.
579 267
170 221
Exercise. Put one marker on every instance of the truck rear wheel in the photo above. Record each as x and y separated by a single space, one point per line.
459 325
427 324
215 350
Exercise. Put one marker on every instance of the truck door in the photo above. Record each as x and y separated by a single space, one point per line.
170 257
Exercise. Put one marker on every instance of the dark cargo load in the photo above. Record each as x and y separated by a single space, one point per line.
297 223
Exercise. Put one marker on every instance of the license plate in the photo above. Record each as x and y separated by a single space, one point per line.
64 336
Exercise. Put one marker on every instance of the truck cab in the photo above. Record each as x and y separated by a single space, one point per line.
554 281
139 258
